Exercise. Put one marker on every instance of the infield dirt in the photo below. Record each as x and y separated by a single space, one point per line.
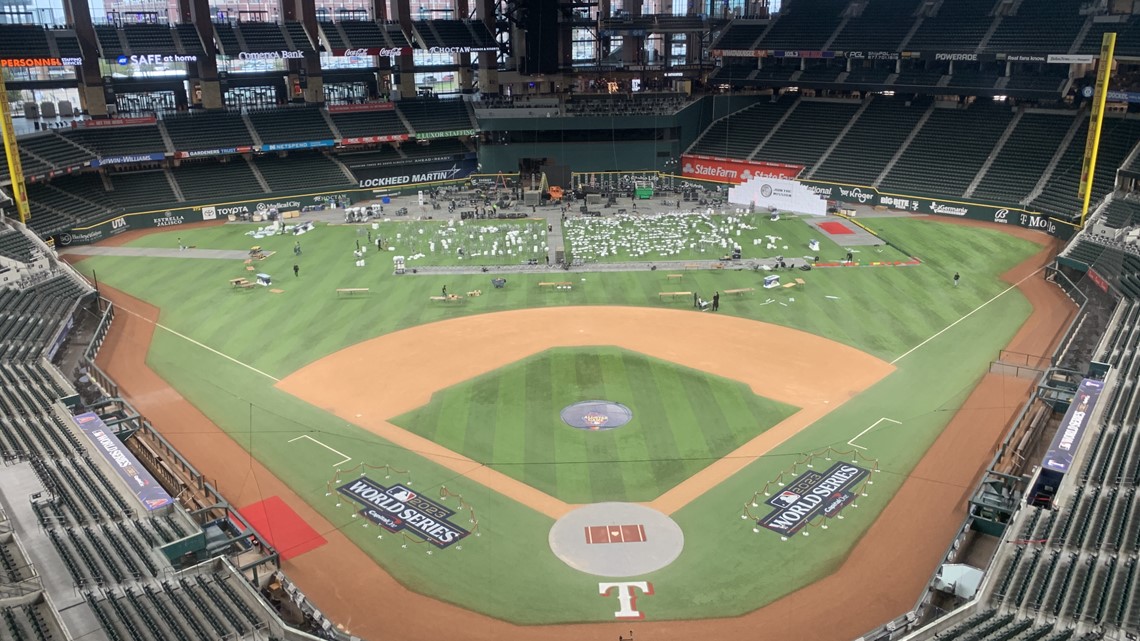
881 579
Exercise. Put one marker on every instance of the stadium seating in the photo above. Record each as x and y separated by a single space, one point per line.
428 115
738 134
369 123
149 38
119 140
207 130
1025 155
295 32
262 36
880 27
199 181
860 156
16 245
299 124
941 137
804 25
1039 26
1118 137
959 26
55 151
142 189
740 35
110 46
189 40
18 40
300 170
809 130
226 37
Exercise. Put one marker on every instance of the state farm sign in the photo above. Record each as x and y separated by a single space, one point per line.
726 170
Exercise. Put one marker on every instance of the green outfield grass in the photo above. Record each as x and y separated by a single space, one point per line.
885 311
509 419
407 238
697 237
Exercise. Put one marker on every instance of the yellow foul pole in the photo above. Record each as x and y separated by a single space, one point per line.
12 152
1096 119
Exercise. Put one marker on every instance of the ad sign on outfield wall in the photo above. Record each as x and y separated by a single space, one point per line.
726 170
779 194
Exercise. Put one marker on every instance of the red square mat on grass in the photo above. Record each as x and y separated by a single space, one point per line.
835 228
282 527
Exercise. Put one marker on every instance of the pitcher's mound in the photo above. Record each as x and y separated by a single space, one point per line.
616 539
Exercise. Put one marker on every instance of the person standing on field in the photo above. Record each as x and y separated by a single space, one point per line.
956 278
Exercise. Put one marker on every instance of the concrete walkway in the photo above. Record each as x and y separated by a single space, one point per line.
156 252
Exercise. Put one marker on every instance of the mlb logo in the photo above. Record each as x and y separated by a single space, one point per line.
785 499
401 493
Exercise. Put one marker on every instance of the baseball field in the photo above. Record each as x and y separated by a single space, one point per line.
722 423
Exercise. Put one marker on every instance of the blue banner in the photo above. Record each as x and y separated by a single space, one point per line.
141 483
127 159
1061 451
309 144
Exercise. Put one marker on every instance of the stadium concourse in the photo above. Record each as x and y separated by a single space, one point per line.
127 511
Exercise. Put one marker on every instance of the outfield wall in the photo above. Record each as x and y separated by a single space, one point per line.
399 180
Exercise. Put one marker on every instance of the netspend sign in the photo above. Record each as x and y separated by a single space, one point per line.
393 177
726 170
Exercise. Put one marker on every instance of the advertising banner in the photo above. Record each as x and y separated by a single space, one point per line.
1096 278
403 176
360 107
17 63
454 133
1059 456
127 159
308 144
222 151
371 140
141 483
114 122
857 195
778 193
1069 59
384 52
734 171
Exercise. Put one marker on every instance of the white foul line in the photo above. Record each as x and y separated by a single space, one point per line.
338 463
873 425
205 347
971 313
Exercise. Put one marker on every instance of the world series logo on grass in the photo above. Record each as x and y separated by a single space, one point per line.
811 495
400 509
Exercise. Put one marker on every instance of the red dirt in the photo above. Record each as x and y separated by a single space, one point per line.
881 579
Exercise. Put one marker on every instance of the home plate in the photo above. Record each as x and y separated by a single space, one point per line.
616 539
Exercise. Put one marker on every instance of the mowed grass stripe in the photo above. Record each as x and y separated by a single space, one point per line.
483 411
572 470
507 432
452 425
606 474
684 421
637 473
539 452
654 424
710 416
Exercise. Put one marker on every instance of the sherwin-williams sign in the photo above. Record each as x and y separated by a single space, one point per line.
141 483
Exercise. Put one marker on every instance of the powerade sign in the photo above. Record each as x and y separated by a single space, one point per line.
1059 456
399 509
141 483
811 495
408 176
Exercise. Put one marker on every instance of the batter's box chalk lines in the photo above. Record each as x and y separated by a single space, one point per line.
872 426
205 347
968 314
338 463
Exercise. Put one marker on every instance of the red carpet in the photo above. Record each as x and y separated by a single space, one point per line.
834 228
282 527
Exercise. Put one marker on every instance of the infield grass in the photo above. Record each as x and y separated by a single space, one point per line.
509 572
509 419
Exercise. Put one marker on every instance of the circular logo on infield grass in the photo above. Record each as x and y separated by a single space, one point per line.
596 415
